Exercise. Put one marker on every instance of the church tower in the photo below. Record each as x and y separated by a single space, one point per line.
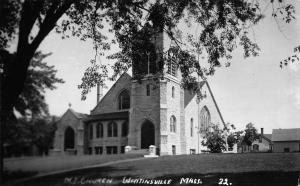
157 101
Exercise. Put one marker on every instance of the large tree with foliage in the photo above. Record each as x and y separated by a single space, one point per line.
225 25
40 77
214 139
22 135
250 134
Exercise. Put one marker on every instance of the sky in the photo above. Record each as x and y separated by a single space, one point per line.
253 90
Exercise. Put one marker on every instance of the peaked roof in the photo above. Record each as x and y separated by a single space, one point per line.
268 136
286 134
214 100
76 114
107 93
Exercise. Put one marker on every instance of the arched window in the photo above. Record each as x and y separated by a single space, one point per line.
69 138
148 90
112 130
124 100
172 66
173 92
204 118
99 130
125 129
192 127
173 124
91 131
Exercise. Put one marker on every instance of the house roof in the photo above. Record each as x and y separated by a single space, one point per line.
268 136
286 134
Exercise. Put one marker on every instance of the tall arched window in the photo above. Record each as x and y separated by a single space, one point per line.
148 90
125 129
173 92
204 118
69 138
99 130
172 66
173 124
192 127
112 130
91 131
124 100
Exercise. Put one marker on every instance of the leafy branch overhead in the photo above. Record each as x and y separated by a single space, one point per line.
40 77
223 25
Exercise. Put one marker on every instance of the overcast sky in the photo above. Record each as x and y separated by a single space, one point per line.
250 90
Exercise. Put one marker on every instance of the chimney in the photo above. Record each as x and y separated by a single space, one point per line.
261 134
99 92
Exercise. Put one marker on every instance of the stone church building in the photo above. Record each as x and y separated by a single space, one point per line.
139 114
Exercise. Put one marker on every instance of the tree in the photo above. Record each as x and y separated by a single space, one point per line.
214 139
250 134
233 136
291 59
22 134
42 134
39 78
225 24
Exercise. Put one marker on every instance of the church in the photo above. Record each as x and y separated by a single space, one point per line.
140 113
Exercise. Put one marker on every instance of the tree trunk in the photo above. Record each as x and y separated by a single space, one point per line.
11 86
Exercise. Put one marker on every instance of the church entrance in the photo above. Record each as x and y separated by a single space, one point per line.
69 138
147 135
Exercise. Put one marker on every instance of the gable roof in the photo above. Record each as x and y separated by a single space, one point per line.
268 136
125 74
286 134
76 114
188 98
213 98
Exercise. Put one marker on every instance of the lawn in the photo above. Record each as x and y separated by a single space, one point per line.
211 169
30 166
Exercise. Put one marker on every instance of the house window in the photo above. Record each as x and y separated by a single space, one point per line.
173 92
125 129
148 90
173 149
98 150
192 151
192 127
91 131
112 130
173 124
286 150
99 130
255 147
204 118
111 150
124 100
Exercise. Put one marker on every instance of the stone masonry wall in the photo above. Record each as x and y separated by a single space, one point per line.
192 110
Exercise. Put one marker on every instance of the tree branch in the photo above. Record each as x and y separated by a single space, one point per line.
49 23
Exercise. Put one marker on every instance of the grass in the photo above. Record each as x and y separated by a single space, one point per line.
44 165
241 169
